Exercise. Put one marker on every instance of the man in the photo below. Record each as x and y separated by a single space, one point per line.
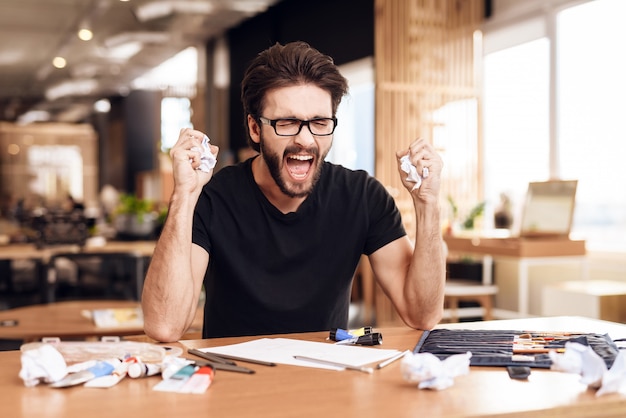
276 239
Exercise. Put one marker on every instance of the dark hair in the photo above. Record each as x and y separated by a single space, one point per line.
287 65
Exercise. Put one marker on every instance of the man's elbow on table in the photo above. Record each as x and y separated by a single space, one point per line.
159 331
425 322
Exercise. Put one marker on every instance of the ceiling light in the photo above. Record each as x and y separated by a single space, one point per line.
143 36
154 10
85 34
121 52
71 88
180 70
59 62
102 106
33 116
248 6
163 8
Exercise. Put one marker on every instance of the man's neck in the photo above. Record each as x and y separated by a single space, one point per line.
270 189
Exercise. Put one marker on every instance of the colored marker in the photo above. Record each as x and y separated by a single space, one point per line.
338 334
361 331
375 338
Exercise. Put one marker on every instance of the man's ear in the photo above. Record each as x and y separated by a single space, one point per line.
254 129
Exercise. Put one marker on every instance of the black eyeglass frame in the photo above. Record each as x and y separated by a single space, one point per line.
273 122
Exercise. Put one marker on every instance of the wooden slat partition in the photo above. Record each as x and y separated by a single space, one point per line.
424 53
425 87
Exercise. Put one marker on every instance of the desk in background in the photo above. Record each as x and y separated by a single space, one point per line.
138 251
31 252
291 391
66 321
526 252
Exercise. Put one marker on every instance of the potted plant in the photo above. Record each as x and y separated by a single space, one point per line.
476 212
134 217
469 222
465 267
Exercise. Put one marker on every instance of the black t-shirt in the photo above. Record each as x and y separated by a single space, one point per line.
272 273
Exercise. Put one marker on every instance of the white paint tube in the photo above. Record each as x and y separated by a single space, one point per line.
140 369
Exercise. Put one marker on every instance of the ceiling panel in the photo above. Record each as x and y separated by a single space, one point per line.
33 32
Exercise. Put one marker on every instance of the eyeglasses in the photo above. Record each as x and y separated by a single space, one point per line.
292 126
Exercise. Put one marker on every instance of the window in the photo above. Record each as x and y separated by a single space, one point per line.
591 77
175 115
353 141
56 171
563 122
516 127
176 78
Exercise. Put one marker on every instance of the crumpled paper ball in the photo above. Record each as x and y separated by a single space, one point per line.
581 359
44 363
411 170
431 373
207 159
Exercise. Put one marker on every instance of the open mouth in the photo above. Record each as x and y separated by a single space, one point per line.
299 165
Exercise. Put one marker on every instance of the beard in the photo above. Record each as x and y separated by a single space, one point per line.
274 163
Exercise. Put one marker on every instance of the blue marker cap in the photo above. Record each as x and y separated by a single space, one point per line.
338 334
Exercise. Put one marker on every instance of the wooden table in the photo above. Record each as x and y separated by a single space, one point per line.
291 391
31 252
65 320
137 250
526 252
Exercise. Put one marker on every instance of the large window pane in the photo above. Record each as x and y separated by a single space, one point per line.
175 115
516 117
592 139
353 141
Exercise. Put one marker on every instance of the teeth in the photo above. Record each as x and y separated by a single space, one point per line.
301 157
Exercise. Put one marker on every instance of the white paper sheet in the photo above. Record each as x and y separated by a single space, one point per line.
282 350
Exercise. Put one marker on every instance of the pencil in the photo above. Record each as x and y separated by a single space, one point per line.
391 360
224 366
225 357
332 363
211 357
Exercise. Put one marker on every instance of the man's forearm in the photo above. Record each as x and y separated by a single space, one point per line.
426 276
170 296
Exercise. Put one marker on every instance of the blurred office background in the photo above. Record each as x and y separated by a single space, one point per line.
508 91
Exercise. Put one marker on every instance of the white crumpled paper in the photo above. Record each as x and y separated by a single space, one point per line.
411 170
581 359
207 159
42 364
431 373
